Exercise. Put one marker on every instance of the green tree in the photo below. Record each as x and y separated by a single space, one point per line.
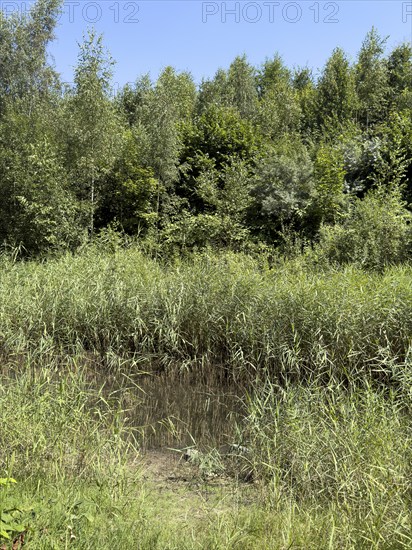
219 135
236 88
131 100
241 84
283 189
371 78
226 199
329 173
381 156
162 119
37 210
304 86
26 74
374 234
93 130
213 92
335 94
391 163
129 193
278 111
399 67
271 74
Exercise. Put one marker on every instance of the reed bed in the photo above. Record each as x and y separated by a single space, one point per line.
224 315
347 453
323 356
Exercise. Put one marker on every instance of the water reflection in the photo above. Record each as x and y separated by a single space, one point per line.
175 412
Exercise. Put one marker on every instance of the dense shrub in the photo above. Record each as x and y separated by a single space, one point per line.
376 233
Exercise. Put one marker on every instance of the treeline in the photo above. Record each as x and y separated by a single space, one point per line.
254 155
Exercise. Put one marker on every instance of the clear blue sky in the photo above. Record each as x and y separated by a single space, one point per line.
201 36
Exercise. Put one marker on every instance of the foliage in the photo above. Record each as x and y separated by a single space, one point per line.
254 230
256 156
39 211
129 190
221 134
375 233
371 79
278 112
399 67
8 517
93 130
222 224
329 173
27 77
283 187
241 86
336 97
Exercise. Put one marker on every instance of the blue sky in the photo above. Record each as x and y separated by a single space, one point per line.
201 36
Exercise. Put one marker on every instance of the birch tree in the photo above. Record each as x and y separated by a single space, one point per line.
94 130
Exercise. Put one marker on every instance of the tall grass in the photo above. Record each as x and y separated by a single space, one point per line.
68 448
227 314
334 468
326 354
349 453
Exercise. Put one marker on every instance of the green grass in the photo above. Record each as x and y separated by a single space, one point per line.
220 315
347 451
331 470
325 355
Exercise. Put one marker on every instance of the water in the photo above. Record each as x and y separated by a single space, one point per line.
176 413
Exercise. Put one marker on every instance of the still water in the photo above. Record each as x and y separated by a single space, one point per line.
169 411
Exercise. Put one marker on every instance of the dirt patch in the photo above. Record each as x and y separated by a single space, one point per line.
184 490
169 468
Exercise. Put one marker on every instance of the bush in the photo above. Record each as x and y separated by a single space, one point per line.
376 233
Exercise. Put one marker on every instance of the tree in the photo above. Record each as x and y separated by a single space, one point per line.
213 92
374 234
390 168
241 84
380 156
329 173
283 189
399 67
170 105
131 99
37 210
235 88
129 192
278 111
304 86
335 94
226 199
25 72
166 109
272 73
371 79
93 128
219 135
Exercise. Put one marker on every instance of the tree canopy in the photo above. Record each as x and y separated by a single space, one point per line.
239 159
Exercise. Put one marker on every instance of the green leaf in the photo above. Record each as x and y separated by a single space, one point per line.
7 480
